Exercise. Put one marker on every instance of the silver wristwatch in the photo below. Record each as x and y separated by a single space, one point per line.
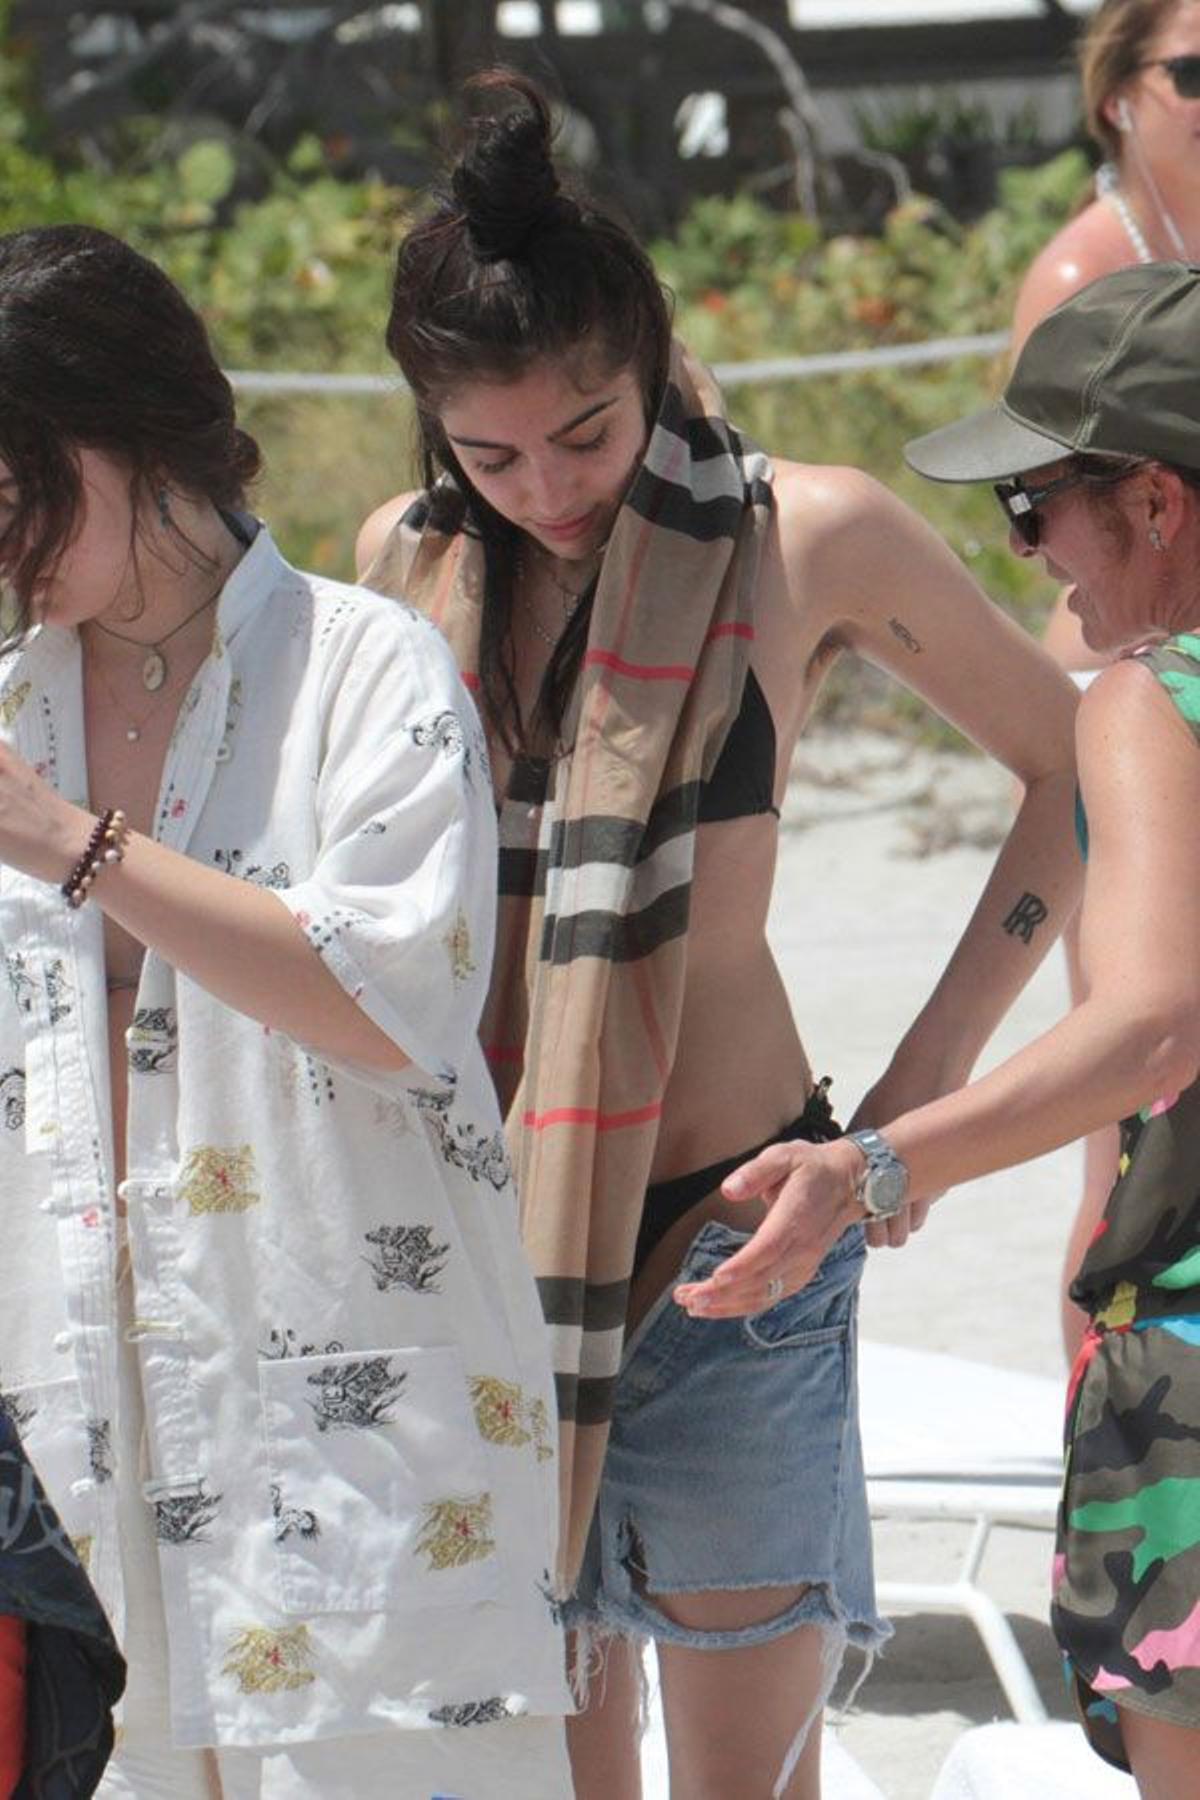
883 1184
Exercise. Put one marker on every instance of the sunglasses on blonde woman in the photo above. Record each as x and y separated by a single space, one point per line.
1184 72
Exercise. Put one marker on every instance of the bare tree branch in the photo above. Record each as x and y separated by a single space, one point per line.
799 117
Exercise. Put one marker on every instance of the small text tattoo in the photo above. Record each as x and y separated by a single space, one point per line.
1025 917
899 629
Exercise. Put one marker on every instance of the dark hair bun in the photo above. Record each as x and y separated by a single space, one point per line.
505 180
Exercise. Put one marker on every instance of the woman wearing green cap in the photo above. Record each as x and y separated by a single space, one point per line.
1094 451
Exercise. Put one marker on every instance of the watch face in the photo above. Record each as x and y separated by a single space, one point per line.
885 1187
884 1182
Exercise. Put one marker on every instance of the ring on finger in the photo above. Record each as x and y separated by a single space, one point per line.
774 1289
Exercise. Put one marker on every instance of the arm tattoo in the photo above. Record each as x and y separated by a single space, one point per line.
1025 917
899 629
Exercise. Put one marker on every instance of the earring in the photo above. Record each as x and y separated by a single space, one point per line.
1156 541
164 509
1124 119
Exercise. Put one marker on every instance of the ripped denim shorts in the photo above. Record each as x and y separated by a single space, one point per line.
734 1462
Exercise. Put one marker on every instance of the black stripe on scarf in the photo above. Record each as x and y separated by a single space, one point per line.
617 937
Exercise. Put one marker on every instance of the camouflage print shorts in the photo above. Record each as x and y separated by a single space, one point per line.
1127 1571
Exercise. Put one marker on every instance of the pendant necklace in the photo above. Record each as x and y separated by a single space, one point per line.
133 727
154 663
570 597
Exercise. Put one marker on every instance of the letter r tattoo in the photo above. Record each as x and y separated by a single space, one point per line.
1025 917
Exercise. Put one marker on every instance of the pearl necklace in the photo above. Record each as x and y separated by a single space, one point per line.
1133 230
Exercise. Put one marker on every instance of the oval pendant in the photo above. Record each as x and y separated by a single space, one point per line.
154 671
132 734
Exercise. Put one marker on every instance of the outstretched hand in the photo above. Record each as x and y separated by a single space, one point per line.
808 1190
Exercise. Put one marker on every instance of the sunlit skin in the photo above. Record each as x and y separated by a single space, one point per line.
552 451
844 567
1134 1033
1163 138
1161 141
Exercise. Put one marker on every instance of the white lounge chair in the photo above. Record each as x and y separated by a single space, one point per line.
945 1438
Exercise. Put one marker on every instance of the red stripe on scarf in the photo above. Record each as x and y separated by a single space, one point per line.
731 629
638 671
588 1115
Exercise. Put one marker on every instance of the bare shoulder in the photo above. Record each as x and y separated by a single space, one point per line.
819 503
1128 721
1088 246
375 530
840 519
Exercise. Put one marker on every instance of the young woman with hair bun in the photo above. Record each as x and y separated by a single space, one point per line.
645 607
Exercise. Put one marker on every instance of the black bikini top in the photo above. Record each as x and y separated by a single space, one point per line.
743 781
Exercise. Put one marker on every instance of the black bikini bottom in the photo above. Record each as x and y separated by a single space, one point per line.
667 1201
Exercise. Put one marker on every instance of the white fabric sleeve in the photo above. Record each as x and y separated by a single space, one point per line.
401 901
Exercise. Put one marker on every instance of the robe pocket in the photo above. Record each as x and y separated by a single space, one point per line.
379 1482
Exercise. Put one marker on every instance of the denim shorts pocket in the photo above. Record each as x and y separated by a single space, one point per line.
820 1313
379 1482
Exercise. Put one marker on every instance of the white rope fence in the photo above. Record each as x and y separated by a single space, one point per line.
730 375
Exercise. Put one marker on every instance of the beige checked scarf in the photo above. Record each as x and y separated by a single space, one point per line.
596 855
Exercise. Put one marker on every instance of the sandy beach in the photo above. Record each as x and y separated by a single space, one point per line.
884 850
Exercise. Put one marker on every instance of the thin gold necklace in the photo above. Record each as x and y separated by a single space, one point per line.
135 727
571 598
154 665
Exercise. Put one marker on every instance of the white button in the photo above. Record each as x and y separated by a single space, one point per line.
81 1487
122 1190
63 1341
46 1205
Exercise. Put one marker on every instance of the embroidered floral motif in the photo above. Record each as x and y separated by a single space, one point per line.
12 702
356 1396
59 992
292 1518
499 1410
233 862
12 1098
504 1415
82 1546
263 1661
445 733
391 1116
472 1712
458 943
539 1430
185 1518
457 1532
20 980
282 1343
321 1089
219 1181
153 1040
405 1256
99 1433
462 1146
372 828
21 1412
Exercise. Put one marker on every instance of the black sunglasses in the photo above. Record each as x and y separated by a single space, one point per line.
1184 72
1021 503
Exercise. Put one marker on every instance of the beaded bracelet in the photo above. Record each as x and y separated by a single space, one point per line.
106 845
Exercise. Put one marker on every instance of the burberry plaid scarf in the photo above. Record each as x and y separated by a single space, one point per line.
596 855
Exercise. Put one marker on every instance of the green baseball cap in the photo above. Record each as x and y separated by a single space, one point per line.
1113 371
